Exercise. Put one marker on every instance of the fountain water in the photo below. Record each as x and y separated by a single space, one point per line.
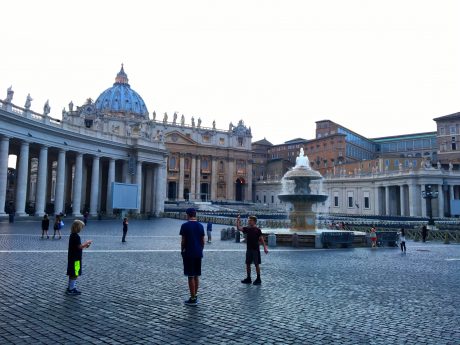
297 191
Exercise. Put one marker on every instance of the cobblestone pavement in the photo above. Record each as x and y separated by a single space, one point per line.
133 293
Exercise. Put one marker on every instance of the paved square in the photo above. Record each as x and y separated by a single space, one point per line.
133 293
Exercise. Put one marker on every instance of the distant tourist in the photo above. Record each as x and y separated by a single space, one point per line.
45 226
85 217
402 240
192 244
254 239
74 255
373 237
125 229
209 231
424 233
58 225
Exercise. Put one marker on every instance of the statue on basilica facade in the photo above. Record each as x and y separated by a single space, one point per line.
71 106
230 126
451 166
182 120
9 95
199 122
165 118
175 118
28 102
46 108
214 124
154 115
439 165
193 122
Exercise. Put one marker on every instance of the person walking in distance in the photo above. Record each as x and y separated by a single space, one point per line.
402 240
373 237
254 239
209 231
424 233
192 244
45 226
125 229
58 225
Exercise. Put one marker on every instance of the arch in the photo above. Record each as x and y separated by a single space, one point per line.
239 189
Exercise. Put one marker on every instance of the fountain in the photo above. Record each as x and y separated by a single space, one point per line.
297 191
302 199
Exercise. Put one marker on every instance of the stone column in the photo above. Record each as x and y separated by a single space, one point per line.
60 177
440 201
451 192
413 200
148 190
377 201
21 181
42 179
387 201
230 182
110 180
193 180
160 188
181 178
139 186
4 147
214 179
77 185
249 182
198 179
94 187
402 200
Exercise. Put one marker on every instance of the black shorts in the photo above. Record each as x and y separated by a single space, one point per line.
192 267
253 257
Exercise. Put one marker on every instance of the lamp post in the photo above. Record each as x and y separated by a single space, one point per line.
428 195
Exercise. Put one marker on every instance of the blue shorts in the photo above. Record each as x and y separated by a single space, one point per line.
192 267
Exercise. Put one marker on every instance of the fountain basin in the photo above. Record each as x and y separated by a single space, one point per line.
313 198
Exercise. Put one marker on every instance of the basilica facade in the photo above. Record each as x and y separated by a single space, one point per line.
69 165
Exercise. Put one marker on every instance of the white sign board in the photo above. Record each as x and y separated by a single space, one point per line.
125 196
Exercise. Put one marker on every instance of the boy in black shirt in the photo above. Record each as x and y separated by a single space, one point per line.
253 240
45 226
74 256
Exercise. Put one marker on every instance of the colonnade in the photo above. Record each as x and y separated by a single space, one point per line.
64 183
407 200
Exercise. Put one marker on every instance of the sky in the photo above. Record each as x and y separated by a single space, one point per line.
379 68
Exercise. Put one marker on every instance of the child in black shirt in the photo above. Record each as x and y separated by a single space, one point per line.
74 256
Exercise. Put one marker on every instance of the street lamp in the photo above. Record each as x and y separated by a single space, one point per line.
427 194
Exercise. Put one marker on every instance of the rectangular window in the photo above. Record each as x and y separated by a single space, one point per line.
350 199
336 199
442 131
453 130
366 200
454 146
273 199
222 142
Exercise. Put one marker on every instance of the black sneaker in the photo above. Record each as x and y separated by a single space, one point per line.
257 282
73 292
191 301
247 281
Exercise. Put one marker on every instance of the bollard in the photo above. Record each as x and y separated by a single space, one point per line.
223 234
271 240
237 237
229 233
295 240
